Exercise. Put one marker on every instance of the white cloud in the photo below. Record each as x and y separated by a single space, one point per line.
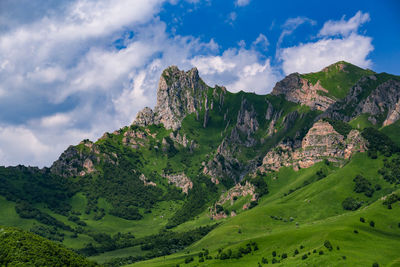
238 69
19 144
261 42
242 2
314 56
344 27
290 26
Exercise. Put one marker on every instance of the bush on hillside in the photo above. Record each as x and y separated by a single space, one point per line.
351 204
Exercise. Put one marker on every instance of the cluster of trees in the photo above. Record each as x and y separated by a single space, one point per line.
203 192
379 142
391 170
35 185
20 248
362 185
340 126
49 232
238 253
391 199
164 243
27 211
351 204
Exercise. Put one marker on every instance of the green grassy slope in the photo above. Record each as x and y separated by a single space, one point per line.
338 81
393 131
317 216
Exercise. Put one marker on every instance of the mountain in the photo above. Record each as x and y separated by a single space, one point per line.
306 175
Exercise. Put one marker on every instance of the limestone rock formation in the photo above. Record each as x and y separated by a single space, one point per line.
179 94
74 162
225 163
382 103
180 180
321 142
299 90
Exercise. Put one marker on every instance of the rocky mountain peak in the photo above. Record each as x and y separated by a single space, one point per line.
179 94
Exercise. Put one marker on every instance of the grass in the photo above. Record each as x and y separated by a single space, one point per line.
317 210
338 82
393 131
361 122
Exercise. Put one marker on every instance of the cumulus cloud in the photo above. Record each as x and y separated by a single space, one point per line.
313 56
238 69
242 2
344 27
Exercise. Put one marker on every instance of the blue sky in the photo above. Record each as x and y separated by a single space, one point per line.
71 70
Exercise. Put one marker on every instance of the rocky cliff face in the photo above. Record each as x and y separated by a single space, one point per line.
179 94
299 90
73 162
225 162
321 142
379 99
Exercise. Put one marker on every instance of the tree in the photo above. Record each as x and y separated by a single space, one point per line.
351 204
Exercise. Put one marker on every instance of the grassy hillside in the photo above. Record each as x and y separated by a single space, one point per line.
20 248
337 78
305 219
393 131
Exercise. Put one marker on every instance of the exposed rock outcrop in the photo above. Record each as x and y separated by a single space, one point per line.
136 137
225 162
180 180
75 162
239 190
299 90
381 102
145 117
145 181
179 94
321 142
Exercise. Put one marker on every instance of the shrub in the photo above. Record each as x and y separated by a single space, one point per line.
201 259
274 261
264 260
372 223
301 246
375 264
188 260
314 251
274 253
284 256
351 204
304 257
321 252
296 252
362 220
355 231
328 245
